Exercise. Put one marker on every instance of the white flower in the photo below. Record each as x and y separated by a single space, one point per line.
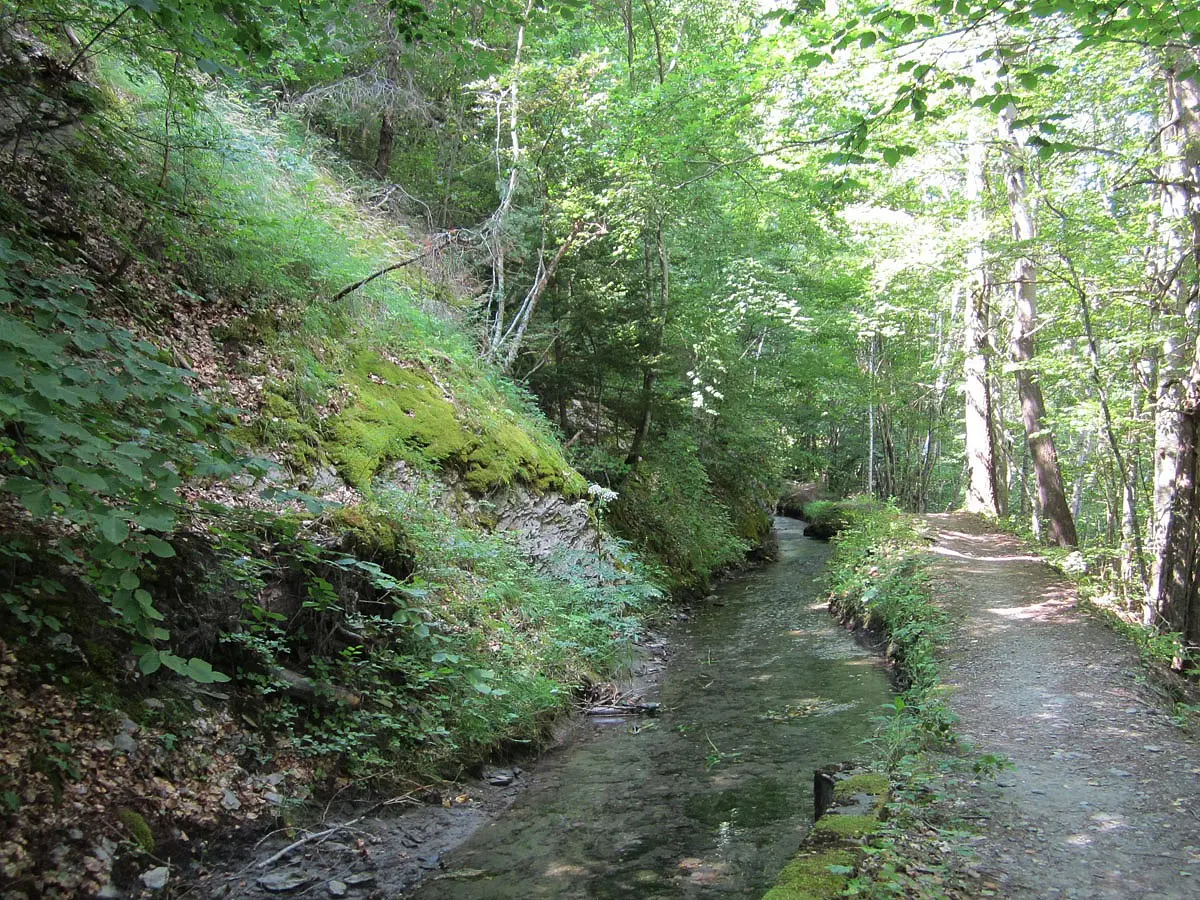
601 494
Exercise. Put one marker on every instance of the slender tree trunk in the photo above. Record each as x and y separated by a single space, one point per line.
387 139
1051 495
1171 601
982 495
657 313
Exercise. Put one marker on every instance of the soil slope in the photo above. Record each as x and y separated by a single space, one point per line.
1103 799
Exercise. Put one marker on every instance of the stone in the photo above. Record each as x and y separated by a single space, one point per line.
285 882
156 879
230 800
124 743
360 878
337 888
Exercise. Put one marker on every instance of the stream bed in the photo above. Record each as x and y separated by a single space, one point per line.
712 797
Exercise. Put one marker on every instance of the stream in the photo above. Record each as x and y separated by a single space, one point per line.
712 797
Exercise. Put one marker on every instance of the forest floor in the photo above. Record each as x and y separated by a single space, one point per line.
1102 799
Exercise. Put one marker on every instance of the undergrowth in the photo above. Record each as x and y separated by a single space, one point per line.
880 581
382 640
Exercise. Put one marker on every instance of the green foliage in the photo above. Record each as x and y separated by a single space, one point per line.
404 414
466 647
667 507
813 876
100 434
139 829
879 580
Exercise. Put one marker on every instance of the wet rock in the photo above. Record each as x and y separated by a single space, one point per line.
337 888
500 777
230 800
360 879
285 882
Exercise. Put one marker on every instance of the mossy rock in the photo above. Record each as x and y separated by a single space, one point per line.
402 414
846 826
808 876
871 783
280 428
374 536
138 828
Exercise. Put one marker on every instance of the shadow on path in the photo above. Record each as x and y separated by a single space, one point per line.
1104 797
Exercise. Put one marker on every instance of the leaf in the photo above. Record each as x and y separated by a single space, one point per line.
203 673
158 547
149 662
891 155
156 519
207 66
113 529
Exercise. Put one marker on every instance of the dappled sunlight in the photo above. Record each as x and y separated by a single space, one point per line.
988 558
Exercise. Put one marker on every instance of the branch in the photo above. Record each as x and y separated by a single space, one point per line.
445 240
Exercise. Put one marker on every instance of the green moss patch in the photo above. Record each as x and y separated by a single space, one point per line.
813 876
847 826
139 829
402 414
867 783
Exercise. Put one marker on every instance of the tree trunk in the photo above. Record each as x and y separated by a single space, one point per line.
1171 601
656 320
387 139
1051 495
982 496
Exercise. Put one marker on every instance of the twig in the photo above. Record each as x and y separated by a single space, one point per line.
274 858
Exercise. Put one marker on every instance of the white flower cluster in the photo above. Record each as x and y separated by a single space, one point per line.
601 494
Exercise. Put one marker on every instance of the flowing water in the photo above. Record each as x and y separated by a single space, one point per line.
711 798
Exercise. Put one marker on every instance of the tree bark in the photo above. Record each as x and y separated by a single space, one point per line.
1171 601
982 494
1051 495
387 140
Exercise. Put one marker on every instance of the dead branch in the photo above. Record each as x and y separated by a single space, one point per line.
444 240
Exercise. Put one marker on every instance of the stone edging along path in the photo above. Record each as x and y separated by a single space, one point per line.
1103 796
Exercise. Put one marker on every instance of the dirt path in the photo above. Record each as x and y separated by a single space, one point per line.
1103 800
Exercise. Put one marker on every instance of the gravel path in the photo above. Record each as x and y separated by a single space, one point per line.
1103 800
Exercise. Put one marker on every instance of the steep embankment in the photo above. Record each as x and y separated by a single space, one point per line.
1101 797
260 542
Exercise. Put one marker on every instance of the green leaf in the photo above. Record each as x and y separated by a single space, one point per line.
113 528
203 673
891 155
149 662
158 519
158 547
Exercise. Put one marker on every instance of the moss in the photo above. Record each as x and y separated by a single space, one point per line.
808 877
867 783
281 428
401 414
374 536
846 826
138 829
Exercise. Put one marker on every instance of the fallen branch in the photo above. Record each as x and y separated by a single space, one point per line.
631 709
295 845
446 238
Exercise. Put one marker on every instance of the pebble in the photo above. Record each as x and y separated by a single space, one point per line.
337 888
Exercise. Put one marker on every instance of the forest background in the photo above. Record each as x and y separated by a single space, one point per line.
648 256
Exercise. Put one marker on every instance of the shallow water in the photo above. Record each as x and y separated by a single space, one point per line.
711 798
